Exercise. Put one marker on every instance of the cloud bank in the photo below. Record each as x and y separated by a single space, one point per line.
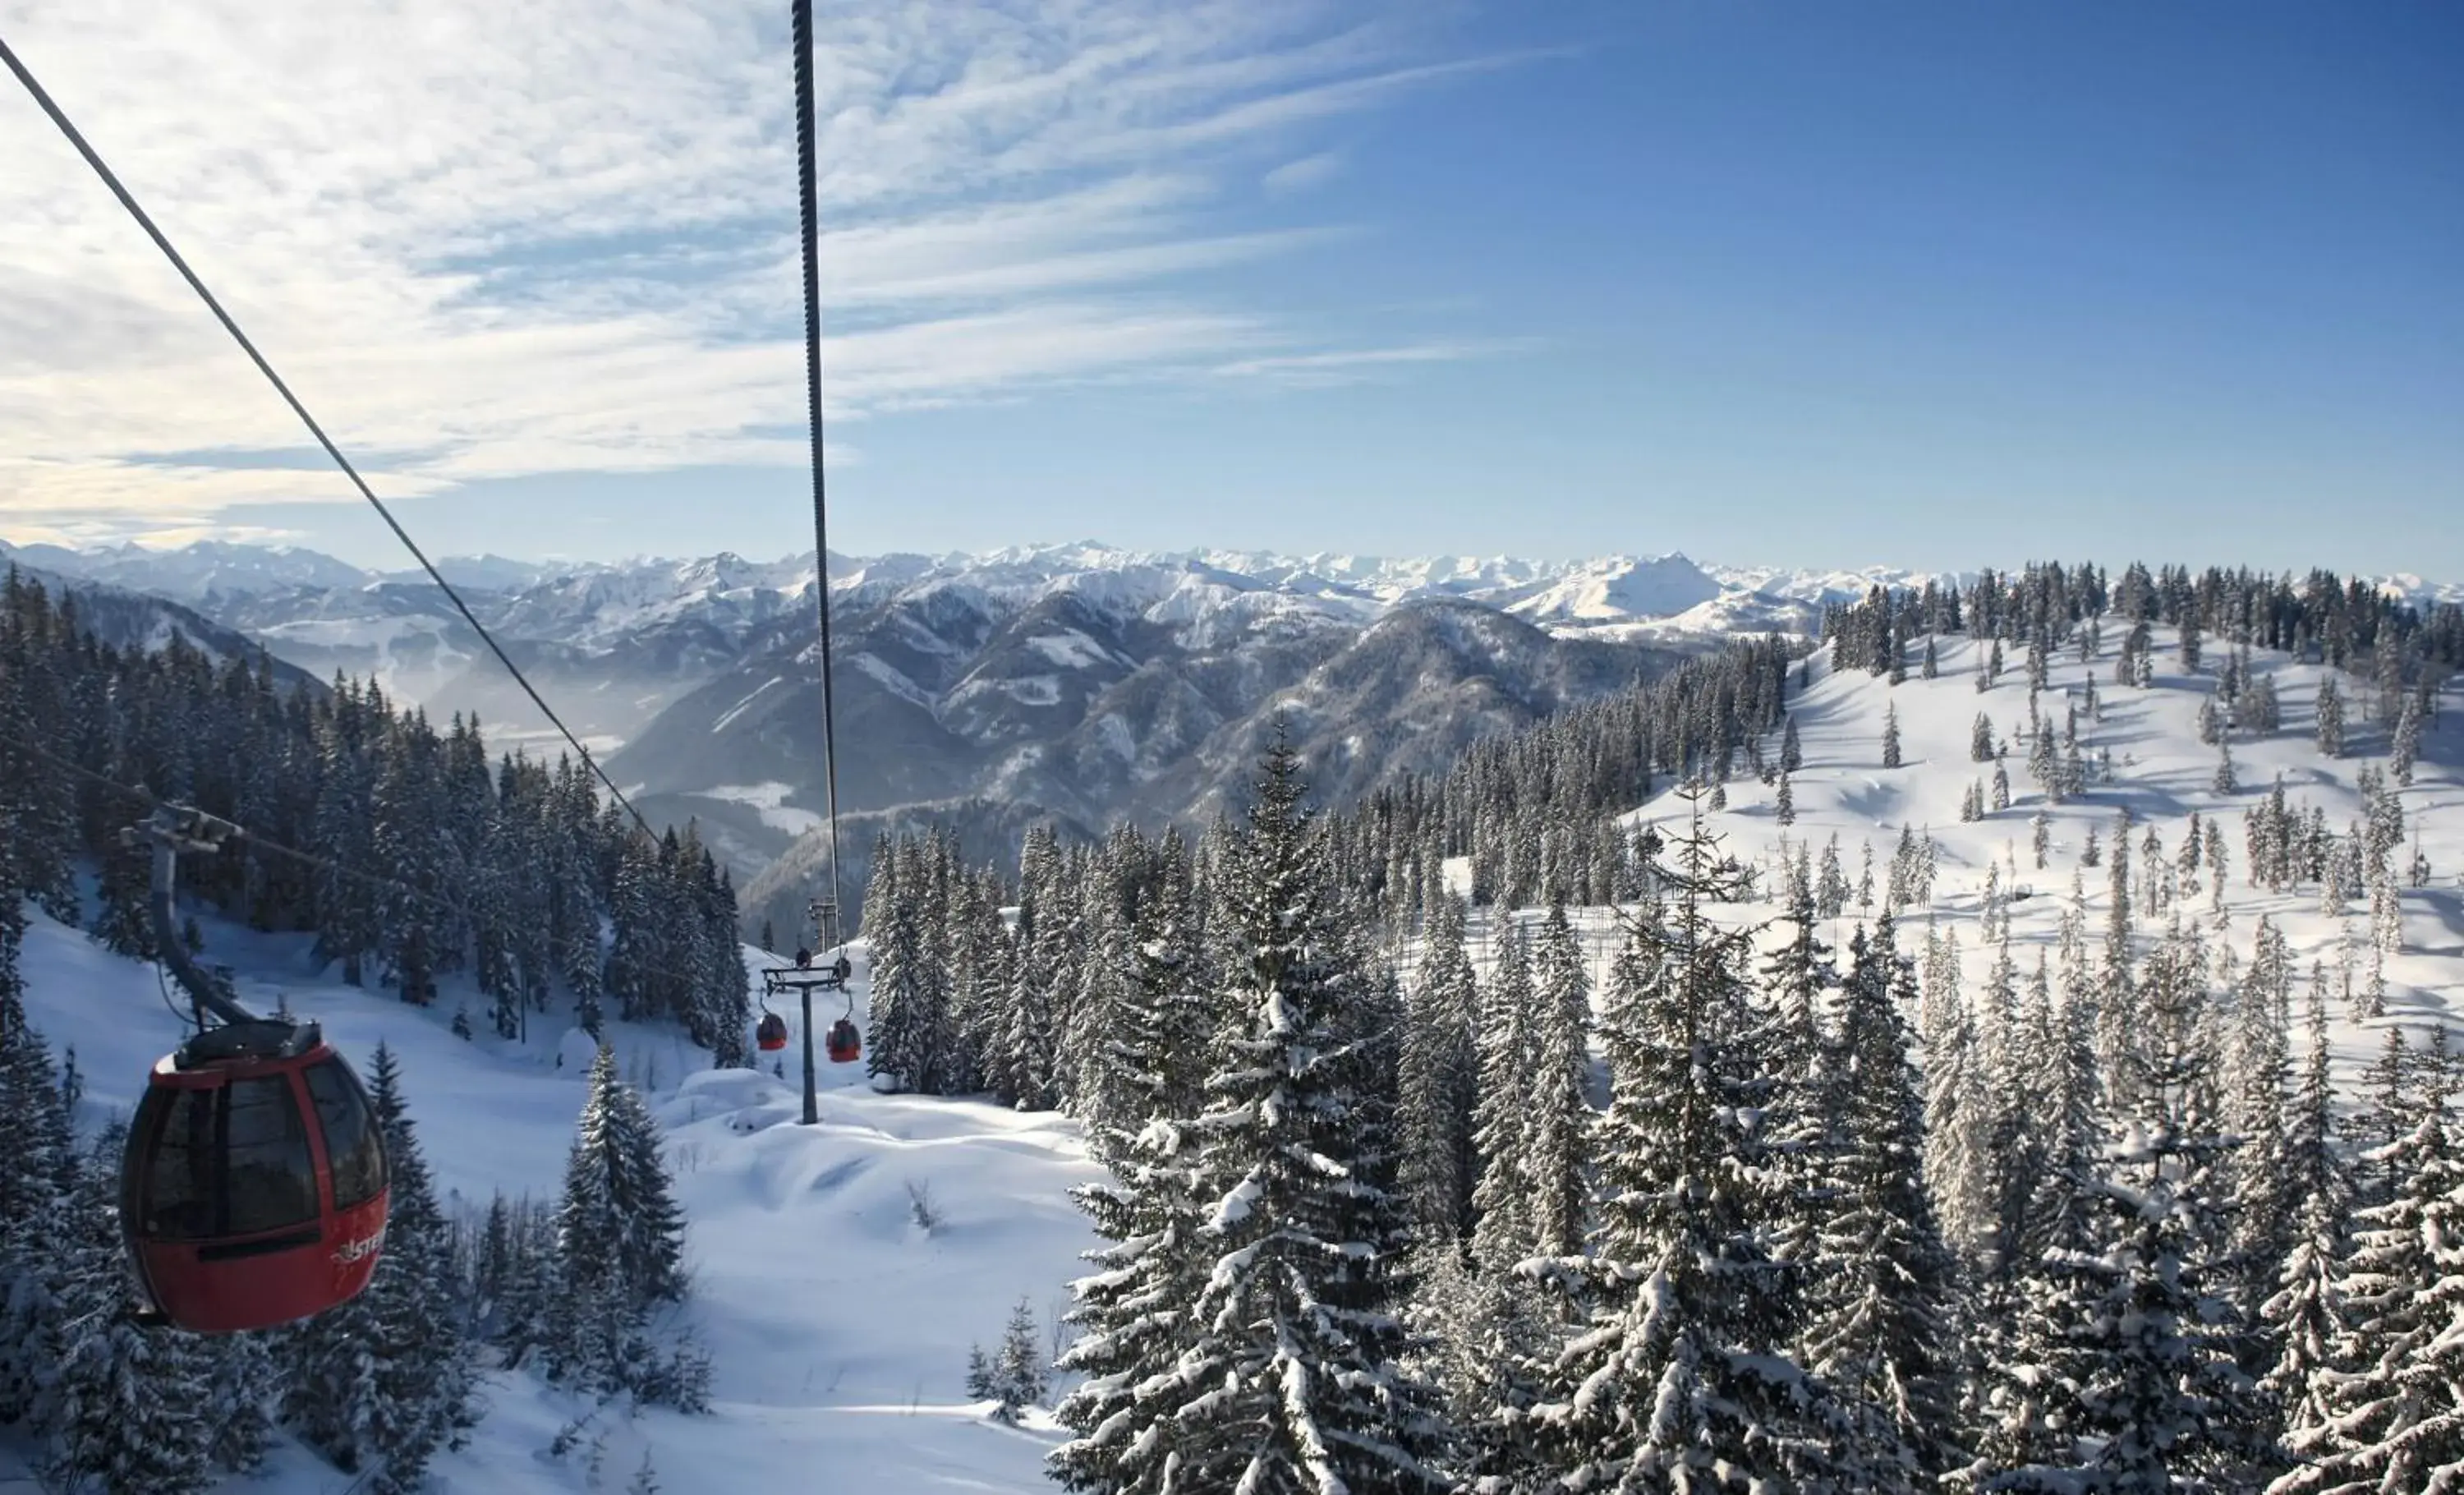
487 240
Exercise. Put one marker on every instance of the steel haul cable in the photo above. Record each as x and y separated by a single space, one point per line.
110 179
808 184
799 27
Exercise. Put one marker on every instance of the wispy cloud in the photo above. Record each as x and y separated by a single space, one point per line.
1354 366
486 240
1307 171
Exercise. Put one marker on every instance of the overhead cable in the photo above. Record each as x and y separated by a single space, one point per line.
110 179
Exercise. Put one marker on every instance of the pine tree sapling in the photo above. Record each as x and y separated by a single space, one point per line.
1014 1376
619 1245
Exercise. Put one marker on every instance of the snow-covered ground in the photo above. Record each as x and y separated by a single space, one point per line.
770 800
839 1327
2161 770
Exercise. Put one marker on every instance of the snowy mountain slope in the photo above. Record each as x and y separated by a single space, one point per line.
2162 772
1208 597
199 572
2405 586
1075 711
1619 590
591 603
839 1328
1819 586
986 831
1416 687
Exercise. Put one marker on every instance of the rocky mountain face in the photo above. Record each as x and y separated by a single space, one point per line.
1095 712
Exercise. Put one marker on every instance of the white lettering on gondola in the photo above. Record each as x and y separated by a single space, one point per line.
360 1250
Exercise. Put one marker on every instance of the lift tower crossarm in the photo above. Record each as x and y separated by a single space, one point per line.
174 829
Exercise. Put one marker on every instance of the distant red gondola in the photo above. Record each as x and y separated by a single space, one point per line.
846 1045
253 1189
771 1033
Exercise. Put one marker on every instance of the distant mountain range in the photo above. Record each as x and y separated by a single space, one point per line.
129 618
1078 680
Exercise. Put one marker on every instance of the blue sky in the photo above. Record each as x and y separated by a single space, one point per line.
1926 284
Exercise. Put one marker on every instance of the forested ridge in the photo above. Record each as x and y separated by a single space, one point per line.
421 857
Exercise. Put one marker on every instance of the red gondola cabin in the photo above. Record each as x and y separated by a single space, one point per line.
253 1190
846 1047
771 1033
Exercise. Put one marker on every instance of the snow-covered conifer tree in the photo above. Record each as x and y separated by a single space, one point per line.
1831 888
1132 1313
1681 1380
1798 979
2329 718
2405 750
1109 996
2390 1411
244 1379
1441 1080
385 1381
1957 1139
909 1025
1502 1227
2258 710
1881 1276
619 1237
1013 1377
2139 1369
2022 1322
2307 1317
37 1170
2265 1189
424 1374
1291 1377
1558 1131
128 1410
1020 1061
